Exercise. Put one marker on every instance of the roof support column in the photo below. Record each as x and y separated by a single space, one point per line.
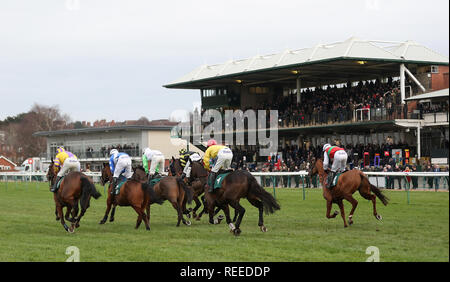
418 141
299 98
402 83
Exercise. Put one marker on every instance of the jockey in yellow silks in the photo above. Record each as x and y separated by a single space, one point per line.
221 156
64 161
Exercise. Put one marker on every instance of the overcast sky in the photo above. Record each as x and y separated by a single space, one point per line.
108 59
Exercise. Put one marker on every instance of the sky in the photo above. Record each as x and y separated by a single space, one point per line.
109 59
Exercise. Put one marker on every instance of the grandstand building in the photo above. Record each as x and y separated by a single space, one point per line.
351 92
92 145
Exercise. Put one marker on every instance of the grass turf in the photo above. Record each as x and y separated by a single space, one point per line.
298 232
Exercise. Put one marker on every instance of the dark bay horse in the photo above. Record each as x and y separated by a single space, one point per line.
75 187
347 184
134 192
236 185
197 180
174 190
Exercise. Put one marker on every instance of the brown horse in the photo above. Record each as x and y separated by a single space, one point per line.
236 185
197 182
347 184
75 187
134 192
174 190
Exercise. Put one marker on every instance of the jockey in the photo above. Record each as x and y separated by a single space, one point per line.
157 162
338 158
186 160
64 161
120 164
224 157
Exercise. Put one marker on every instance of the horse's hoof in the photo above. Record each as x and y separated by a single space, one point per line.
232 227
111 219
77 225
263 228
187 222
102 222
237 232
379 217
71 229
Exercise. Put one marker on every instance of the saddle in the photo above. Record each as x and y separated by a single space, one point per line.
116 190
59 183
335 179
155 180
220 177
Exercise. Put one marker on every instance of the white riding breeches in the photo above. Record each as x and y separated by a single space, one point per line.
70 164
224 158
187 168
339 161
123 164
157 164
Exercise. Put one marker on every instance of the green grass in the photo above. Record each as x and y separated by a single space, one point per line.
298 232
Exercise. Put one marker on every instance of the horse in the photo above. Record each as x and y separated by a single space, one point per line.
134 192
75 187
236 185
197 179
174 190
347 184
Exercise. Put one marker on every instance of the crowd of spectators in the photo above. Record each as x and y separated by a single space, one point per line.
132 150
335 104
294 158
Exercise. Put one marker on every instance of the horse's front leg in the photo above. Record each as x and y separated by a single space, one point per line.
329 204
198 204
341 207
61 216
108 208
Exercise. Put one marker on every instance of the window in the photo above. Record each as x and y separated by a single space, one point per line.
434 69
258 90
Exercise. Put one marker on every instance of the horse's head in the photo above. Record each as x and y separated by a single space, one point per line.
317 167
175 168
51 173
106 174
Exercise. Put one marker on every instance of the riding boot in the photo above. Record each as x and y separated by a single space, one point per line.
330 179
149 178
211 182
58 178
114 184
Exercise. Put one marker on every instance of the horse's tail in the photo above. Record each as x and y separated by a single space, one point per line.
270 204
187 190
154 198
380 195
87 189
375 190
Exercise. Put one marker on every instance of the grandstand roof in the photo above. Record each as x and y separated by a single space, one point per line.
429 95
102 129
339 61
